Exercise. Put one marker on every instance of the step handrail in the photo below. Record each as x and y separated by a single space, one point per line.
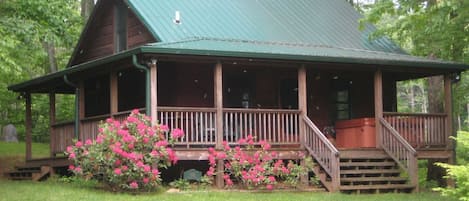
325 153
399 150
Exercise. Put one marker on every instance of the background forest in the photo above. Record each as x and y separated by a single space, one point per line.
38 37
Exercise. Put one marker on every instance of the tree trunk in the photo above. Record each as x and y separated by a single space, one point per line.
86 8
435 105
49 47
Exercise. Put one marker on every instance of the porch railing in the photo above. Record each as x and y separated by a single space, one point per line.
197 123
61 136
326 155
399 149
420 130
89 127
278 127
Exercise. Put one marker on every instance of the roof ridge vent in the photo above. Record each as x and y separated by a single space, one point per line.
177 17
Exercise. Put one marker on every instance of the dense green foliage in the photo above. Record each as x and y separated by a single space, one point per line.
429 28
459 173
29 28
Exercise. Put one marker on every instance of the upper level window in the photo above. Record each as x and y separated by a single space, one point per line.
120 21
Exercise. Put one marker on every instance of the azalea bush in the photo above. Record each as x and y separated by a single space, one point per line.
255 167
125 155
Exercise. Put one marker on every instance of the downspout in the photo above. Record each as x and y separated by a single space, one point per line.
147 85
77 105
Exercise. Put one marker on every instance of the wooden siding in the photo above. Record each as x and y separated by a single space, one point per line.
99 39
137 33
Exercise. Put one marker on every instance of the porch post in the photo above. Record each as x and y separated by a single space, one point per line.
114 93
449 111
52 123
218 101
378 85
302 102
153 91
28 137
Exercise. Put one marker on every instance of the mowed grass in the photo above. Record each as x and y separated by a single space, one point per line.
14 153
10 149
54 190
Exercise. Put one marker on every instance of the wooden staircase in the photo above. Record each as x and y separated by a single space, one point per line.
34 173
371 171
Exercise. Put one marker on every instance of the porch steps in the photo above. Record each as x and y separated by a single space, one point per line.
29 173
370 171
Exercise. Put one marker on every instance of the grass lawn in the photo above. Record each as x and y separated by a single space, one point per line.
18 149
14 153
54 190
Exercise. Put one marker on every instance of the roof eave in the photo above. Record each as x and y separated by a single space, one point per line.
305 58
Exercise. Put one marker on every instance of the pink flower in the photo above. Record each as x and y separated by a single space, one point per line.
109 120
146 140
88 142
272 179
124 168
100 130
116 124
155 172
146 168
146 180
71 156
226 146
131 146
99 139
117 171
162 143
140 164
229 182
172 155
78 169
71 167
117 162
135 111
177 133
79 144
269 187
241 141
164 128
133 185
228 165
132 119
211 171
221 155
69 149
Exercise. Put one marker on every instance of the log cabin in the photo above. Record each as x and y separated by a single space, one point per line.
299 74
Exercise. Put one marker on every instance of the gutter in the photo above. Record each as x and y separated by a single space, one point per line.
77 105
147 83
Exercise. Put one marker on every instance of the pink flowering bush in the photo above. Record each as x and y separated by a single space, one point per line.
256 167
125 155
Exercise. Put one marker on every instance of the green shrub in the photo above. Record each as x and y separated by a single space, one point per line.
459 173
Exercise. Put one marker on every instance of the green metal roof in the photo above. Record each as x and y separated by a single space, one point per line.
319 22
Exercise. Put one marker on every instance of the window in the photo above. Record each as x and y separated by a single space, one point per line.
131 89
341 99
120 20
97 96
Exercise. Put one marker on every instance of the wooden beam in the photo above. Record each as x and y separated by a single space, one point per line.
28 127
51 123
153 92
448 110
114 93
302 101
218 96
82 105
378 89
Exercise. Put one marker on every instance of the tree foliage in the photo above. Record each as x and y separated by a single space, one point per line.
31 30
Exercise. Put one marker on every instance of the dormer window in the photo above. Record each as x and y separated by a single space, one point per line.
120 28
